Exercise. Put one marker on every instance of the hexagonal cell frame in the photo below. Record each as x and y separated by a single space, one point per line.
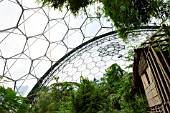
10 14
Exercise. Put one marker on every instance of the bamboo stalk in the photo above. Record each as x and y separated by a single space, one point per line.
161 67
154 73
162 78
153 34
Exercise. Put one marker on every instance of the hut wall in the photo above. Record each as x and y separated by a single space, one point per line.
152 65
152 94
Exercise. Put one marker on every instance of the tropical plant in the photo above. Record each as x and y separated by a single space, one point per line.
113 93
10 102
56 99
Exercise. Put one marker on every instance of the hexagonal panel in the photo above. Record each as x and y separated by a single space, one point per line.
33 22
106 58
90 65
73 38
76 76
88 27
94 54
85 72
10 13
100 64
85 55
97 59
88 60
56 51
36 48
68 67
27 3
61 76
14 65
50 35
78 63
39 67
94 70
74 22
76 59
72 71
55 14
82 67
12 45
56 30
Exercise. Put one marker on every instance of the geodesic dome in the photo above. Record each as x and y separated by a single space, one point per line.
37 43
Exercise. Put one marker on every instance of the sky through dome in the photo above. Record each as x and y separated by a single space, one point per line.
33 38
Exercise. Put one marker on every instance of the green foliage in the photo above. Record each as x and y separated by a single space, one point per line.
89 97
134 13
73 5
10 102
57 99
126 14
122 98
113 93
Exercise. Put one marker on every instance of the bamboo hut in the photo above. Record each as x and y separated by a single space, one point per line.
151 70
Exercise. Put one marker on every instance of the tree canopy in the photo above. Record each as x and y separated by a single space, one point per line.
73 5
113 93
10 102
124 13
133 13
